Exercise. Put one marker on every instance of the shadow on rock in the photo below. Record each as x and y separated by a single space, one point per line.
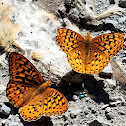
96 88
44 121
77 83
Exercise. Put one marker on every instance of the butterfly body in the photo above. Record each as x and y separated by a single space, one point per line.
28 90
87 55
88 43
40 90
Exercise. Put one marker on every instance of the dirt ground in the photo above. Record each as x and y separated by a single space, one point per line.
94 100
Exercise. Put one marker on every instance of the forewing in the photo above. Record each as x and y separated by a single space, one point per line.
69 40
22 70
24 79
109 44
55 103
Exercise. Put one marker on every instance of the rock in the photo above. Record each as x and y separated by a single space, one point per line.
112 1
112 22
4 109
122 19
121 112
2 90
73 115
3 121
65 116
67 123
111 82
108 109
109 115
124 60
86 111
122 3
97 123
87 99
2 87
93 110
75 125
107 69
13 124
75 97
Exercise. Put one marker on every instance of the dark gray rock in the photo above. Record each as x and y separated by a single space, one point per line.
112 1
109 115
122 3
97 123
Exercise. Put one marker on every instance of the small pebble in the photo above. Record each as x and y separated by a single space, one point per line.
121 112
86 111
73 115
13 124
75 97
4 109
65 117
109 115
93 110
108 109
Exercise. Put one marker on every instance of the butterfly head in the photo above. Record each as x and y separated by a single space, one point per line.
88 37
47 84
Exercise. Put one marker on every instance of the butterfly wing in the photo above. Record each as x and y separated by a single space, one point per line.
24 79
105 47
69 40
52 102
55 103
33 110
109 44
72 44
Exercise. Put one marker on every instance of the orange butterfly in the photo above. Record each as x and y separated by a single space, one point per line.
26 88
87 55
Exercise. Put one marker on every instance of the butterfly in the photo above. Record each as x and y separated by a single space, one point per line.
27 89
87 55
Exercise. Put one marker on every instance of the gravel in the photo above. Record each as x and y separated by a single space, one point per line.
104 101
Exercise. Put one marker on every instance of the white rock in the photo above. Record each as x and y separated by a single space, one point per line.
122 19
107 69
108 109
75 97
41 39
112 22
3 121
4 109
13 124
2 87
111 82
